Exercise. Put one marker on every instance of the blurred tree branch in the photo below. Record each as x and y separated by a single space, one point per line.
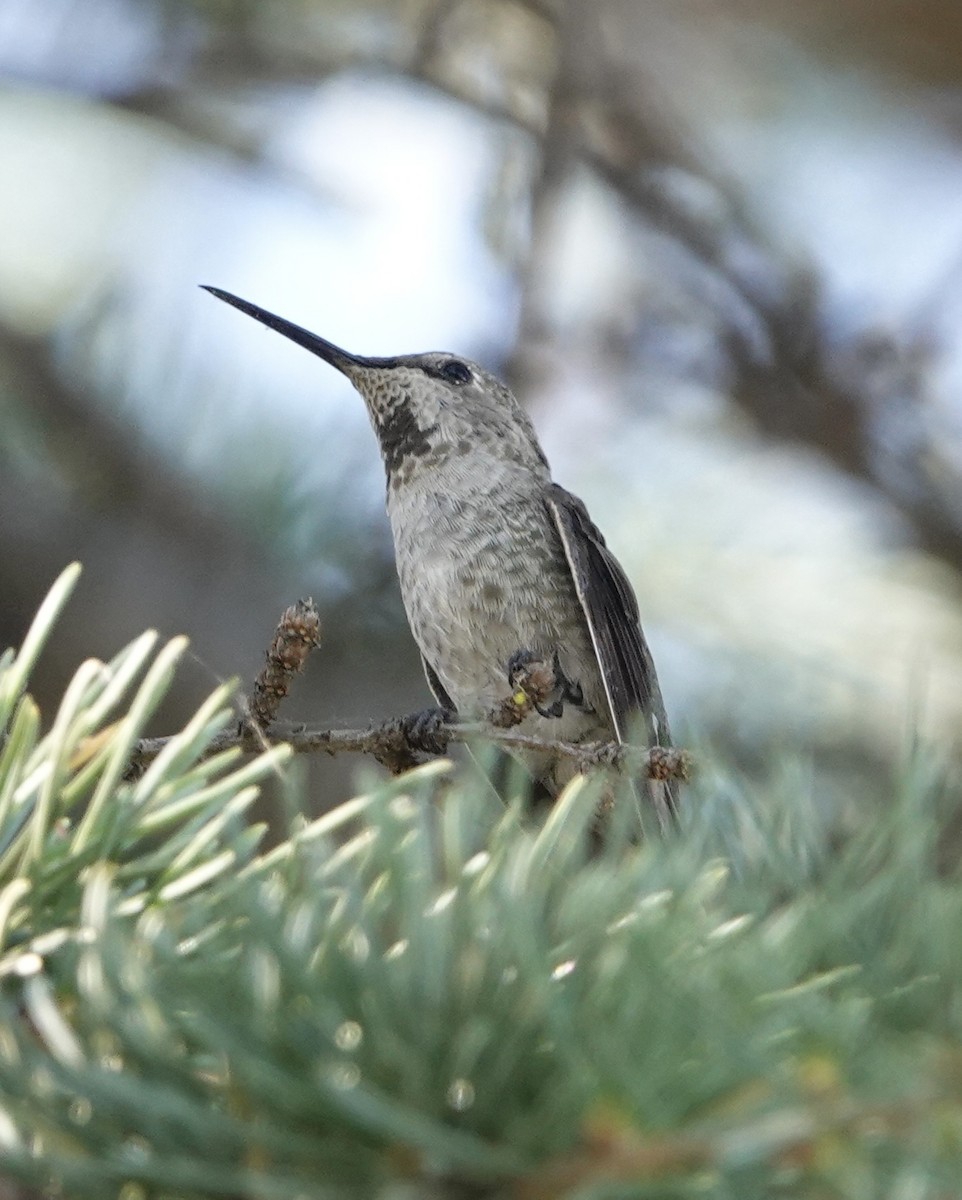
136 517
793 384
100 455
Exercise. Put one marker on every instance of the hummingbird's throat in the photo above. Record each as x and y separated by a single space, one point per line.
401 438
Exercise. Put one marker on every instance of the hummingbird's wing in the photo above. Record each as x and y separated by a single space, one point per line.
611 611
437 687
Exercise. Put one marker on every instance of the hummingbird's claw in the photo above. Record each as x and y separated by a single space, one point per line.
547 687
424 730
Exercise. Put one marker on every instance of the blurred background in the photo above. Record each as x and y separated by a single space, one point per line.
715 246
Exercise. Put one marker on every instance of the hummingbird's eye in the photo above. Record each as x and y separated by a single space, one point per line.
454 371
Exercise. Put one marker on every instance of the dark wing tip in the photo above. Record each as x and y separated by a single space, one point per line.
611 613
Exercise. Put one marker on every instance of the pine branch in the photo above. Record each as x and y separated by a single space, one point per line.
410 997
394 741
68 799
435 1000
403 742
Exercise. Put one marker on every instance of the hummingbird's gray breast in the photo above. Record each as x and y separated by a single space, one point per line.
483 575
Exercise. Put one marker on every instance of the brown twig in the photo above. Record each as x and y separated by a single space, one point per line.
404 742
612 1152
392 740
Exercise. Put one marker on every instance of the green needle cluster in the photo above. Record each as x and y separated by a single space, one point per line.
421 994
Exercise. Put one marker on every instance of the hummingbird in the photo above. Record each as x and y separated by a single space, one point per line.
498 565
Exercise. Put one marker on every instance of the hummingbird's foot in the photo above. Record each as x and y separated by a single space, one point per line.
424 730
546 686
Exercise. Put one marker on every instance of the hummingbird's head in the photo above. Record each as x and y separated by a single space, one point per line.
424 407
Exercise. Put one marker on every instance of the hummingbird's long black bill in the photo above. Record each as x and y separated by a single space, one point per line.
303 337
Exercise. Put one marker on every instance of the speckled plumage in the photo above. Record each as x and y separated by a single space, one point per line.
493 557
505 586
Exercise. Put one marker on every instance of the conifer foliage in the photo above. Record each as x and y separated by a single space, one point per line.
421 994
